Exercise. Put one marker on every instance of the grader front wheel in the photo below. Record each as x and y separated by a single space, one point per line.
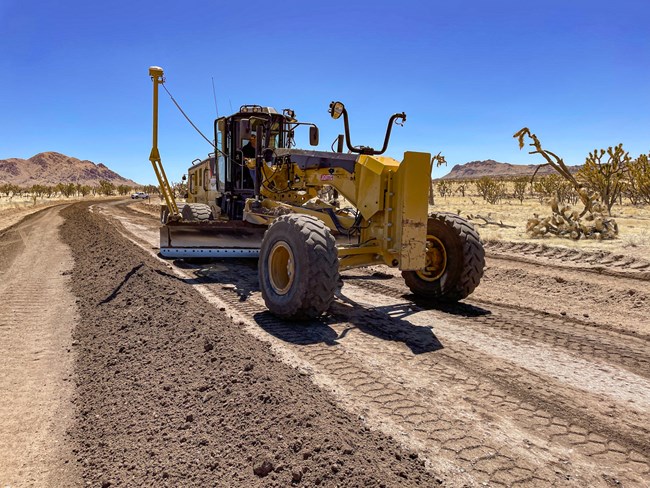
454 263
281 267
298 267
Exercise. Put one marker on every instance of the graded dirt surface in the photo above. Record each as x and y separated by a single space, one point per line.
171 392
182 378
540 378
37 316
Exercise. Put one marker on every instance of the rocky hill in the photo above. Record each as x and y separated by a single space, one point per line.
51 168
489 167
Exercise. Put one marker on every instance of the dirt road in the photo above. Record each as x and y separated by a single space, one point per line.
37 316
541 378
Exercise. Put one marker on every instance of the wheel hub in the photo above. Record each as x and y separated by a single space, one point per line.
281 268
436 260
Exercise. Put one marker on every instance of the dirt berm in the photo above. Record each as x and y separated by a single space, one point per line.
170 392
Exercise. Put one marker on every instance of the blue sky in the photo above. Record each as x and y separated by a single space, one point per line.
468 74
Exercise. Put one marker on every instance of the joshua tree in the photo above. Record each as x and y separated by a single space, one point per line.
563 221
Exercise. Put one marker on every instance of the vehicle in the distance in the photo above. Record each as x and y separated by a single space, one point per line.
140 194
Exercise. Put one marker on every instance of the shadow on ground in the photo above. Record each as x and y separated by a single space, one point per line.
384 322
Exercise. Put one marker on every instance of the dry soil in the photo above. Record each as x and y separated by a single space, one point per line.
181 377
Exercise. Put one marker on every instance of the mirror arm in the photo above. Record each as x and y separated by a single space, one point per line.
346 123
389 129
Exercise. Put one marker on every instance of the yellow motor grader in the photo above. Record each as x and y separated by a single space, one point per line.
257 195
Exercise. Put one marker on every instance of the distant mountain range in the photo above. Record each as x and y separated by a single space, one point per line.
51 168
490 167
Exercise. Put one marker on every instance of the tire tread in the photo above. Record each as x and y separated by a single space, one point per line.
321 267
473 261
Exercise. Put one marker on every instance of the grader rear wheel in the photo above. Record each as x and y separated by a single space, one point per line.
454 263
298 267
436 263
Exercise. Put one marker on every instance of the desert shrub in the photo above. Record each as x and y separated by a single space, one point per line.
491 190
637 181
180 189
65 189
555 186
151 189
444 188
606 177
106 188
519 188
39 191
9 189
123 189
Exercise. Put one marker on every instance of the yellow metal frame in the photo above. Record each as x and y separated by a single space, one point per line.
157 77
392 197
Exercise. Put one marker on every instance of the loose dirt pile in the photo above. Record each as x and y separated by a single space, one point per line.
170 392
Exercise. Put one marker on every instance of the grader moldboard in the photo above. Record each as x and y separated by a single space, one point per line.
256 195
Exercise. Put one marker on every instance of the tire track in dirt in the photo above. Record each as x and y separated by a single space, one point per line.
446 441
172 393
575 372
619 304
37 315
478 414
616 303
629 351
598 262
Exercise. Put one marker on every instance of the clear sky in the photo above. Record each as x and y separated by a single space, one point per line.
468 74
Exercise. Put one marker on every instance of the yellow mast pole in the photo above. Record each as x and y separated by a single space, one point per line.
156 74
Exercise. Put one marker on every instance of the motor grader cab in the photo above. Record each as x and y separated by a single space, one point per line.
262 201
227 178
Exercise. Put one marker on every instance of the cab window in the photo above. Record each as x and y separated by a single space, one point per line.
221 173
206 178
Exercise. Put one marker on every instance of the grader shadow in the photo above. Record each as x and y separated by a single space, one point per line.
389 323
238 275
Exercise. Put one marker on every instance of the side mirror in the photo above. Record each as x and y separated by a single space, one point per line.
336 109
245 129
313 135
184 178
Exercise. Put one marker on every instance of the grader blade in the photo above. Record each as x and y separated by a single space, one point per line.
210 239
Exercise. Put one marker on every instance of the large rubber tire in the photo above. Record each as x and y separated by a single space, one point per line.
196 211
298 267
460 260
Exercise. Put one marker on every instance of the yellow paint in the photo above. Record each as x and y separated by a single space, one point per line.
392 198
157 77
412 190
